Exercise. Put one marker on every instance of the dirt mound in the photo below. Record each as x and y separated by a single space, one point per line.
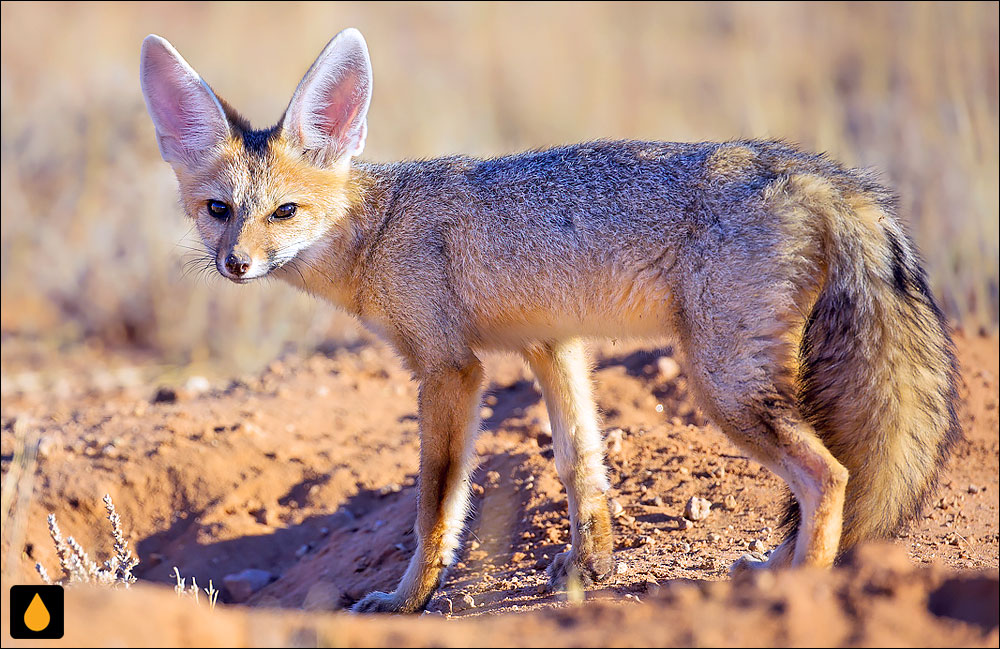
879 598
307 472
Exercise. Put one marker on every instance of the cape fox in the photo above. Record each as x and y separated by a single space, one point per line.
787 282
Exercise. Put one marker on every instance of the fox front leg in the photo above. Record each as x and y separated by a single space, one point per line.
449 422
562 371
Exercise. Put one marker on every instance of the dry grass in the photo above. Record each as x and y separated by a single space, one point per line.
76 566
91 227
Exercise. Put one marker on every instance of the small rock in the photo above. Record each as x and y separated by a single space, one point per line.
485 412
613 441
621 568
302 551
973 489
391 488
468 601
165 395
729 502
647 540
714 538
669 369
244 584
441 605
616 508
757 546
697 509
518 557
684 524
45 446
197 385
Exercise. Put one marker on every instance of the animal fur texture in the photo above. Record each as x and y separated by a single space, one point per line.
787 282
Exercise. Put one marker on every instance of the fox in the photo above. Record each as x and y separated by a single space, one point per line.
793 294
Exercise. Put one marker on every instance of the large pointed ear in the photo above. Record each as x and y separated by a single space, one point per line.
327 117
187 114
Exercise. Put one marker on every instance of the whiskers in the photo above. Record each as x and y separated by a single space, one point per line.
199 260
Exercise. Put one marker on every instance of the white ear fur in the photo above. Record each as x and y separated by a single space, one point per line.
327 116
186 113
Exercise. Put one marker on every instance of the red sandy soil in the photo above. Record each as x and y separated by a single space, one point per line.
308 471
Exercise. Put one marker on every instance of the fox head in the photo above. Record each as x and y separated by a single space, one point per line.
261 197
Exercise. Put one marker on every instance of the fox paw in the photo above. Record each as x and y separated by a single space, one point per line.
587 571
378 602
749 562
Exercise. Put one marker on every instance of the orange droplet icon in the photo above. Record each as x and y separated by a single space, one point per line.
36 617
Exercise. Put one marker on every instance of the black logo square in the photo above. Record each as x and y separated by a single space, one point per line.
36 612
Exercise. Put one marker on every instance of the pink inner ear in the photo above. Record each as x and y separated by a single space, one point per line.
183 110
334 108
339 106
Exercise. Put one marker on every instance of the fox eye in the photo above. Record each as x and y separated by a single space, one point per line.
218 209
286 211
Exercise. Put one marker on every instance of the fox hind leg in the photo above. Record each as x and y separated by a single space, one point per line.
777 437
745 381
564 375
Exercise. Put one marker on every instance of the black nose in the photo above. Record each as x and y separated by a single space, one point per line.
238 263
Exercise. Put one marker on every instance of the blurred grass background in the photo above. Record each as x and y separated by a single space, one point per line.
91 223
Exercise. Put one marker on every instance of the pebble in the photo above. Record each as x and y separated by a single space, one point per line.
973 489
468 601
197 385
45 446
616 508
165 395
697 509
757 546
714 538
243 584
729 502
613 441
391 488
442 606
669 369
621 568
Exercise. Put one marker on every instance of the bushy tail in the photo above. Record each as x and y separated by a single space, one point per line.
878 374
